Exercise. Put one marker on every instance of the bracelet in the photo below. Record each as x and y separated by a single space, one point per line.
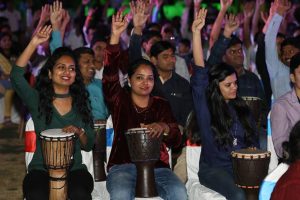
82 132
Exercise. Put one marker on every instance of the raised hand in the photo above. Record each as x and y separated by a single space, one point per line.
282 6
56 12
65 18
248 10
118 26
119 23
232 24
45 13
138 10
199 20
42 35
225 4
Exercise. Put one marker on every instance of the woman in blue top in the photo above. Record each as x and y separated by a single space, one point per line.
223 118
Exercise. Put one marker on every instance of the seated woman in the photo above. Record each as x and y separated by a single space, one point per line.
288 185
59 100
223 118
132 109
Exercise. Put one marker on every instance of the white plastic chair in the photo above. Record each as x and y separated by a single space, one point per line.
194 188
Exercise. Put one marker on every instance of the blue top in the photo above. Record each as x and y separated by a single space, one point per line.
210 153
99 109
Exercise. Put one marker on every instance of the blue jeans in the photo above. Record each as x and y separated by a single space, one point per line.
121 181
220 181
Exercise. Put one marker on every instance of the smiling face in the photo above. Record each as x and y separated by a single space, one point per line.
142 81
228 87
63 73
87 67
288 51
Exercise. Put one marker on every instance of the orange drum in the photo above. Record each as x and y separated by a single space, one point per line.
58 150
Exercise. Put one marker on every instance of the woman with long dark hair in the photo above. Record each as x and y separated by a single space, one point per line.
223 118
59 100
136 108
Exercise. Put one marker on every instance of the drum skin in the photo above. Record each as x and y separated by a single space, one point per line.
144 152
250 167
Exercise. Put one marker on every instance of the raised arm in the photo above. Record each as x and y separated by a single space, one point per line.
248 13
258 5
140 17
56 14
218 50
216 29
42 35
272 59
111 85
19 83
197 43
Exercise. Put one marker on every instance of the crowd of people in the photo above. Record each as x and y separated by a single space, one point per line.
228 70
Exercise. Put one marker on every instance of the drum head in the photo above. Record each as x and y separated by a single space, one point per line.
250 153
137 130
55 133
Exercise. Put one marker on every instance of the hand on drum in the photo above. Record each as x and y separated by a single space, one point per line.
73 129
156 129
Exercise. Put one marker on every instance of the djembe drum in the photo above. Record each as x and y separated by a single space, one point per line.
99 150
255 105
58 150
144 151
250 167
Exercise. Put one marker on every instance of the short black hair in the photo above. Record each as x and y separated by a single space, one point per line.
295 62
234 41
97 38
82 50
293 41
185 42
147 35
161 46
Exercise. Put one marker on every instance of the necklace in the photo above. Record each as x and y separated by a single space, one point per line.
62 95
234 142
139 112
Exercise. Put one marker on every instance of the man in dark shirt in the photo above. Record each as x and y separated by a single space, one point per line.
177 91
170 85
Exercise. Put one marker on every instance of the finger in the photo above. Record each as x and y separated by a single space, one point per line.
60 5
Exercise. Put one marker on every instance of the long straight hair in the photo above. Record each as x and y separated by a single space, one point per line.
221 117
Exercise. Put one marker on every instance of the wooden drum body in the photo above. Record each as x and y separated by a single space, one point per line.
250 167
58 150
144 152
99 151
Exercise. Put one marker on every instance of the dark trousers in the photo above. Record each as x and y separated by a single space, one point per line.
220 181
36 185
